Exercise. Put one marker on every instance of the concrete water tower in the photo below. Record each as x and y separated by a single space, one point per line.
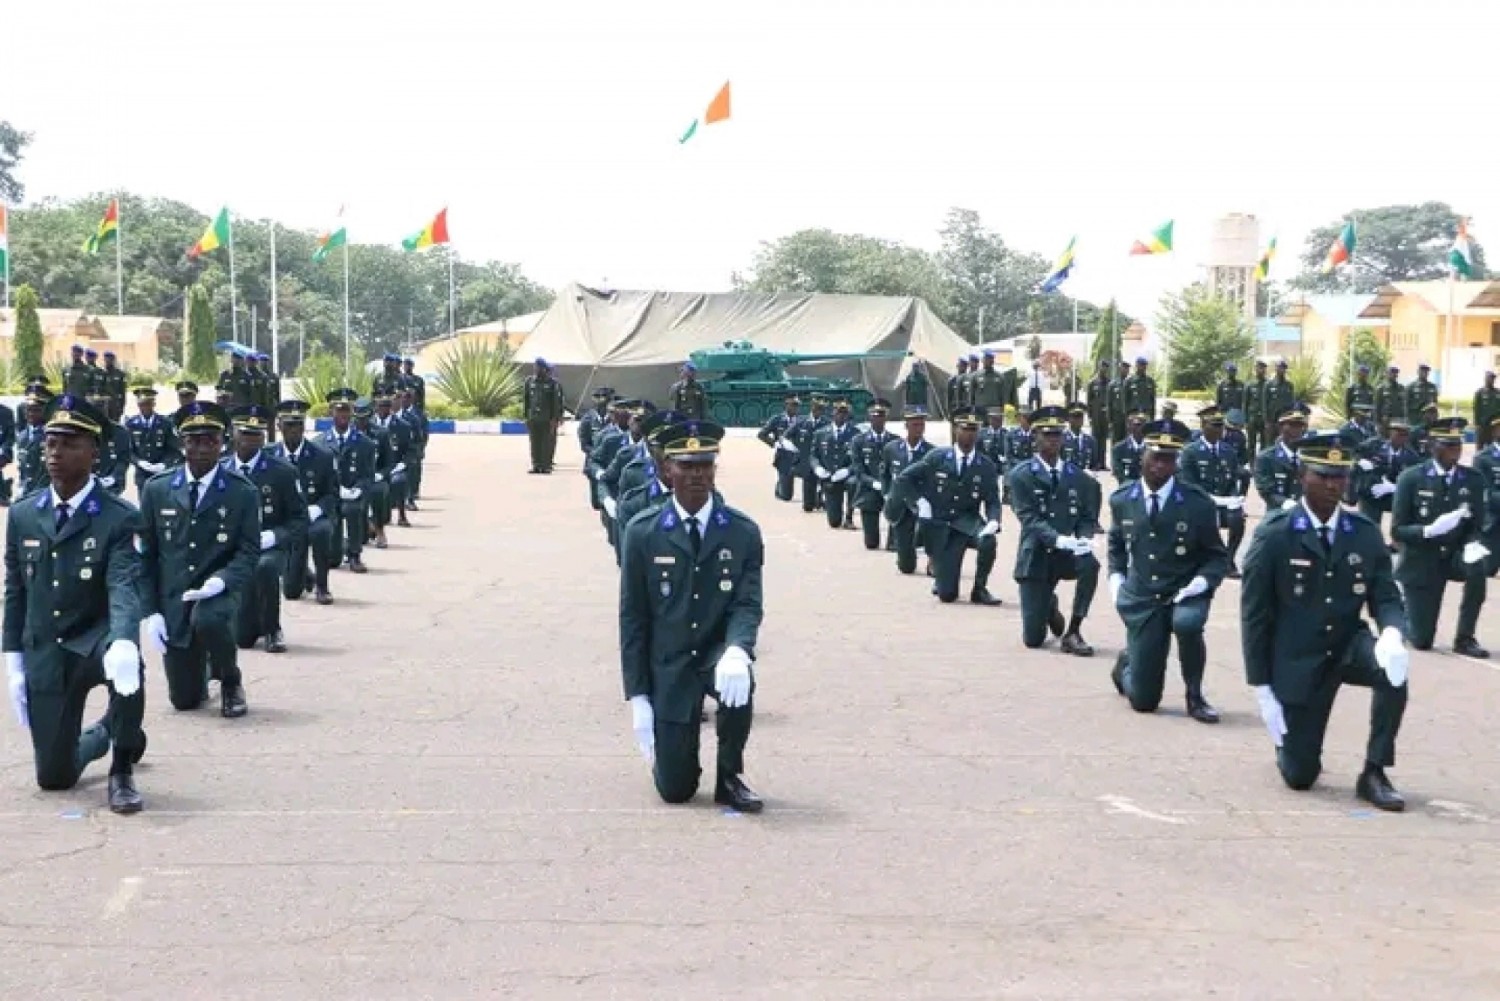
1233 252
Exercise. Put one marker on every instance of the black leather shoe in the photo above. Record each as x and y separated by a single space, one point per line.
1374 788
1055 620
733 793
232 701
1075 644
982 596
1117 673
1234 572
140 752
276 642
123 797
324 598
1199 708
411 505
403 522
1468 646
357 565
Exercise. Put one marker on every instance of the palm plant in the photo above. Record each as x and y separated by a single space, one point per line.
480 377
322 373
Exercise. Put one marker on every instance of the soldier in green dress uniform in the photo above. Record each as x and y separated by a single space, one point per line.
1310 573
31 472
96 374
867 472
1486 405
354 464
831 464
1422 392
590 423
414 382
388 382
915 387
73 613
379 494
1229 394
1140 390
690 615
153 439
1487 468
1277 397
776 434
113 467
1254 408
200 539
1276 477
542 403
233 386
1166 560
1360 391
990 389
687 396
402 438
1125 458
112 386
1435 522
1390 400
283 528
1118 414
1056 502
957 384
903 516
956 492
314 463
1209 464
79 378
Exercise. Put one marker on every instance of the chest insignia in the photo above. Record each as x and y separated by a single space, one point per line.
665 560
725 554
666 589
90 543
87 573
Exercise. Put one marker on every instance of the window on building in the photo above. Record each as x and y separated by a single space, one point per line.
1495 335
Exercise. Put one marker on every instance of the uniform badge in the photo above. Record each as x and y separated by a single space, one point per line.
1358 588
666 589
222 537
1355 559
90 543
725 555
1297 591
87 573
1182 550
726 585
223 512
270 509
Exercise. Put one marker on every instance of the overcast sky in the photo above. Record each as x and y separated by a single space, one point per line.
550 129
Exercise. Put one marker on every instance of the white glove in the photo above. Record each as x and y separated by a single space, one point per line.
1195 587
314 512
879 487
840 476
924 509
122 666
1083 547
1235 503
1288 504
400 468
786 446
1392 656
1116 581
1445 523
990 528
379 477
610 507
732 678
1270 713
15 671
156 633
1382 489
820 472
106 481
267 539
350 493
1365 464
1221 501
1067 542
212 588
643 723
1474 552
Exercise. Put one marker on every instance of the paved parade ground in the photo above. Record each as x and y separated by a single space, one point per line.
436 795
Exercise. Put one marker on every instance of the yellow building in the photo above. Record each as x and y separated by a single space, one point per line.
511 332
1324 324
1452 326
135 340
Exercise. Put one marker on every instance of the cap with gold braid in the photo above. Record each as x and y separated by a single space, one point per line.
879 408
342 399
201 417
1166 436
1297 413
1049 419
1327 451
254 418
69 414
691 441
1211 417
841 405
653 426
1447 431
37 394
292 412
186 386
966 418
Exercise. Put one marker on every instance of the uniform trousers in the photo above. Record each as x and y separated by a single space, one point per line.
1234 521
946 547
784 483
811 491
677 769
1148 640
1039 594
349 530
260 605
543 444
414 473
1100 431
908 536
834 495
61 746
319 541
209 648
1300 757
380 504
1424 602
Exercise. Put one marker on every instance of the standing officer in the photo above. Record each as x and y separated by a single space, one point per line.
690 615
867 472
803 434
543 407
1277 398
1435 522
388 382
1057 503
1276 476
914 392
777 435
1378 470
1486 406
414 382
314 464
988 389
199 541
1098 390
1390 400
187 392
949 487
1229 394
687 396
1359 392
153 439
1213 467
113 467
354 464
1166 560
957 383
831 464
96 374
1140 391
1422 393
1125 460
1118 415
283 528
590 423
112 386
1079 447
1309 574
1254 407
903 516
79 379
31 473
72 613
234 382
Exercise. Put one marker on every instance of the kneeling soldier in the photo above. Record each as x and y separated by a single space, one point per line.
283 526
320 489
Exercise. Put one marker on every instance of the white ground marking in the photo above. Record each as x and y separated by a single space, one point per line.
1119 804
126 892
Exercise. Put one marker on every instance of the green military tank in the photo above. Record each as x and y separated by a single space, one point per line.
745 385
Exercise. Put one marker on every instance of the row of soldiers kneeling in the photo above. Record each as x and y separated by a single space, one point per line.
1314 566
224 527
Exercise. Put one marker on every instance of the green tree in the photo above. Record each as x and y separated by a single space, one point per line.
1393 243
201 361
1367 350
1305 373
13 143
28 346
820 260
480 378
1108 336
1200 332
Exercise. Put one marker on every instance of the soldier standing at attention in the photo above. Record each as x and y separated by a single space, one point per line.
96 374
1435 522
687 396
914 393
831 464
354 464
690 615
1390 400
1098 390
1422 393
777 434
1255 410
199 544
956 385
153 439
1213 467
988 389
73 614
414 382
1140 391
113 467
1486 407
950 487
1057 504
283 528
1309 574
590 422
867 472
543 407
1277 398
1166 560
903 516
1125 460
234 382
1360 392
1118 414
1276 476
79 379
255 382
113 386
320 490
1229 394
388 382
1079 447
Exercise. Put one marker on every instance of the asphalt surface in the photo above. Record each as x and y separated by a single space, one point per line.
436 795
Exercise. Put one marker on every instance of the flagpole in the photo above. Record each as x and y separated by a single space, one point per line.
119 264
5 217
452 301
346 305
275 346
1448 344
234 318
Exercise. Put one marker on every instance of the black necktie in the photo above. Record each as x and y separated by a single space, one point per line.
245 469
1054 480
62 516
1155 508
695 536
193 496
1326 534
963 464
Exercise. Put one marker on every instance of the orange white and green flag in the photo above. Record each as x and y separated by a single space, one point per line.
215 236
332 238
1159 242
1461 257
108 229
718 111
4 242
432 234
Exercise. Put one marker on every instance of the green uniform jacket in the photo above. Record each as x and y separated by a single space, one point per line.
543 400
830 447
181 548
956 386
1140 395
1418 395
1386 465
354 464
637 472
642 497
589 425
867 469
1300 609
609 481
1125 460
1158 561
1390 402
315 469
236 382
1277 397
991 389
153 441
956 501
31 471
1359 392
385 384
283 511
609 440
1255 401
1098 390
1044 513
418 387
1487 467
1229 395
915 387
899 455
778 427
1276 477
79 379
689 399
1486 409
677 613
1116 398
1215 469
114 384
77 589
114 459
1422 494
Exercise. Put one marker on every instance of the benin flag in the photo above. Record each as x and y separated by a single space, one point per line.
434 233
332 239
1342 250
718 111
109 229
214 237
4 241
1159 242
1263 268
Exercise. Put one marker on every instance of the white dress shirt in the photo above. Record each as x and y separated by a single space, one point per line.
76 501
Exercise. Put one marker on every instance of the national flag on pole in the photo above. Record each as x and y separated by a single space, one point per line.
109 229
718 111
214 237
332 239
1061 270
434 233
1159 242
1263 268
1461 257
1342 251
4 239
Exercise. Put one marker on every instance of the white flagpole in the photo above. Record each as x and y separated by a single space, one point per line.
1448 345
119 263
452 300
234 313
5 213
275 346
346 304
